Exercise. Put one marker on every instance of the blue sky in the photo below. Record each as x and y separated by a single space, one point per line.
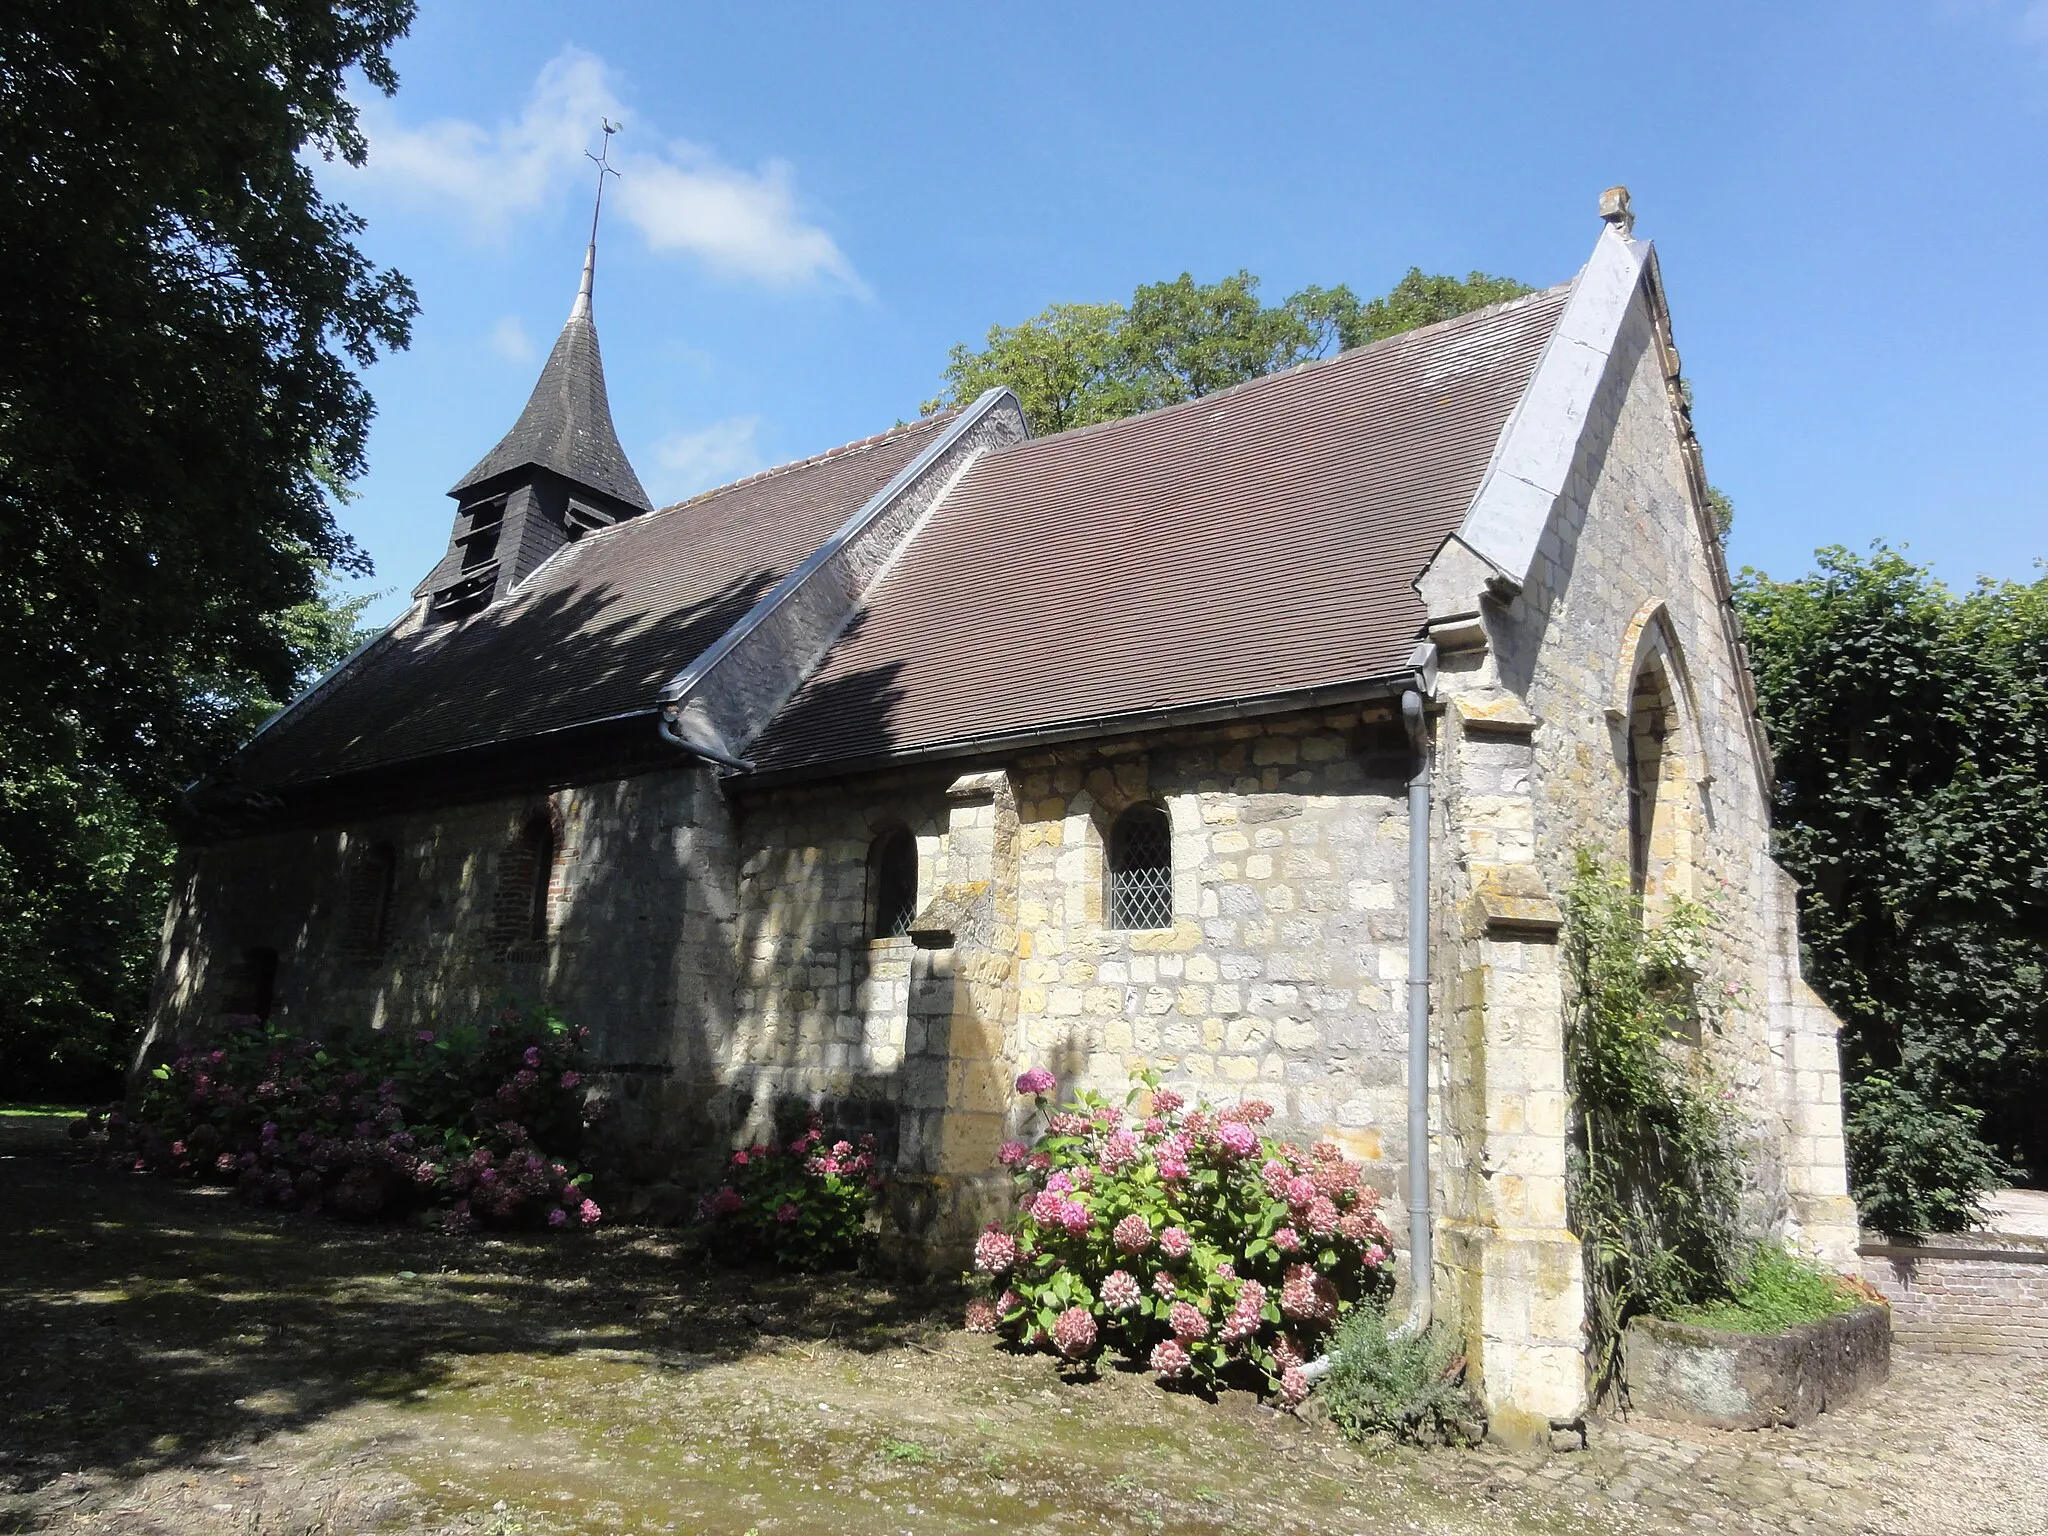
819 200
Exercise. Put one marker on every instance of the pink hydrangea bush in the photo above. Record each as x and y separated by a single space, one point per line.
1190 1241
482 1123
801 1202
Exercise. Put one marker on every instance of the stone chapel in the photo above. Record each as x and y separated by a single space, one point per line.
1250 740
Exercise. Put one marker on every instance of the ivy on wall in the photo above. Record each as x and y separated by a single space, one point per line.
1654 1181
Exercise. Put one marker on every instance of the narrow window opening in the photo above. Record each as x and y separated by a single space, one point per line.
892 877
1141 869
519 919
371 897
251 985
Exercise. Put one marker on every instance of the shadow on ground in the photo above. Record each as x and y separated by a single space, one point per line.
150 1324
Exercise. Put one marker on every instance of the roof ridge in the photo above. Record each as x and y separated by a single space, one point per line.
858 444
1307 365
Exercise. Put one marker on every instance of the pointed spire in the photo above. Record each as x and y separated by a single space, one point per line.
567 424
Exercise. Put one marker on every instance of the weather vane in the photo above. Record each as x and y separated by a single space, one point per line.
603 162
605 168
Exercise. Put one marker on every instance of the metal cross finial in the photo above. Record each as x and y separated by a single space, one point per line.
603 162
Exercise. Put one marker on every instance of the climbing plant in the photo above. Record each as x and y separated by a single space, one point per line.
1654 1181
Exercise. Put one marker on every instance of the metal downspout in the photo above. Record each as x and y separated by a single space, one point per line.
671 732
1421 1258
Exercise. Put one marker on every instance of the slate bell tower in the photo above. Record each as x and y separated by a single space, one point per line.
557 475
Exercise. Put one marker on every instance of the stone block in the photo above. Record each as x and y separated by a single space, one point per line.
1752 1381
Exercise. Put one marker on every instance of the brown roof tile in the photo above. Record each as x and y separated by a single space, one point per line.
591 635
1256 541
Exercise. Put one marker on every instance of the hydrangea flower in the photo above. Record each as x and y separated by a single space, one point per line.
1287 1240
1274 1174
1120 1151
1166 1101
1300 1191
1322 1217
1133 1234
1162 1286
1186 1322
1011 1153
982 1316
1120 1291
589 1214
1170 1359
995 1252
1061 1183
1175 1243
1172 1169
1037 1082
1307 1296
1237 1138
1294 1385
1074 1334
1075 1219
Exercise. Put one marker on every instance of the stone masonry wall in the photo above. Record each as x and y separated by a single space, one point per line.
639 921
1280 977
1624 585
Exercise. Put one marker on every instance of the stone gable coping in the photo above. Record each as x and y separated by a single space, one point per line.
1533 460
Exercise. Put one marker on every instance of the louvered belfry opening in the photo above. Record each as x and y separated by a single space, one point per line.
1141 869
892 877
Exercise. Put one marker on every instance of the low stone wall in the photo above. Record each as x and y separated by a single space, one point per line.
1967 1293
1749 1380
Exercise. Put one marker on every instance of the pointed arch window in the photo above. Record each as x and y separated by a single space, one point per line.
1141 869
892 884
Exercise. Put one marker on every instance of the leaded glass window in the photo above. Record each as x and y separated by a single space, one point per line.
892 877
1141 869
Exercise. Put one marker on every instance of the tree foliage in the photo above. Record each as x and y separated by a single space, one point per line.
1910 725
1076 364
183 317
85 862
180 332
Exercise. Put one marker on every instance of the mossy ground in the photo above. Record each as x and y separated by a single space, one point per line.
175 1361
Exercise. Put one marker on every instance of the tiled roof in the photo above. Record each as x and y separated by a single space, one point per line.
593 634
1253 542
567 423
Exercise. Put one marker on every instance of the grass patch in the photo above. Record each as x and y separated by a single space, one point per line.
1775 1290
43 1111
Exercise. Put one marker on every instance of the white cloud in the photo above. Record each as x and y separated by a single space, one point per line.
510 341
680 196
737 221
711 456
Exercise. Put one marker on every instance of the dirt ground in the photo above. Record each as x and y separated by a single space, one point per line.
177 1362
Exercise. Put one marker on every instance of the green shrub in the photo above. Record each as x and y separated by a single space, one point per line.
483 1122
796 1203
1178 1235
1919 1162
1774 1290
1412 1386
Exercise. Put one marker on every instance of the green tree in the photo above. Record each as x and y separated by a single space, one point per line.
183 320
181 333
84 868
1911 730
1076 364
